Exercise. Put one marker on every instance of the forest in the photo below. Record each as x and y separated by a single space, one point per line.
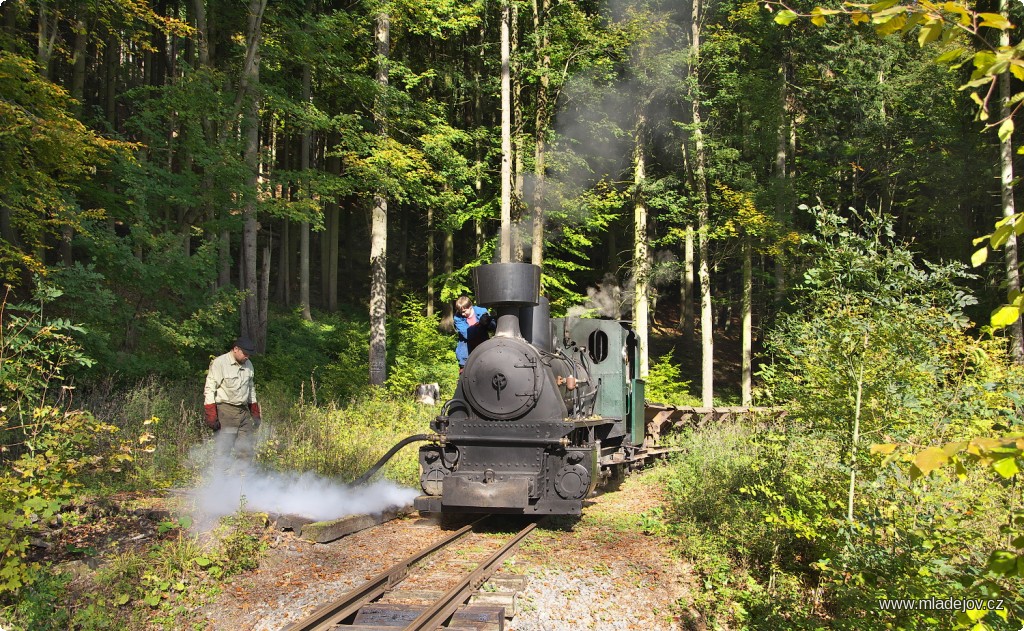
802 206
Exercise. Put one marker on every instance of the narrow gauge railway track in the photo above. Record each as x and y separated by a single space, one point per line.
336 614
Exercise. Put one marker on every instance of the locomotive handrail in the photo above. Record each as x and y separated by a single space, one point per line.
507 440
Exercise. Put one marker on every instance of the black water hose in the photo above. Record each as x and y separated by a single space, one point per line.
390 454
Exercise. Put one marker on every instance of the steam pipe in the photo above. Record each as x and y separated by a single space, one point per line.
390 454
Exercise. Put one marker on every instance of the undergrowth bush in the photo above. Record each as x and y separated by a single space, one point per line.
323 361
327 360
804 526
665 383
748 508
167 413
421 353
45 445
345 442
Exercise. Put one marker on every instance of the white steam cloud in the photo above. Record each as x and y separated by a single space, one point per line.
308 495
611 299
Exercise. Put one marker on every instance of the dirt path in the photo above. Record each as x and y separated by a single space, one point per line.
600 572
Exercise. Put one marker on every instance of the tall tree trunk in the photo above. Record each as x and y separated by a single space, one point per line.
781 176
506 136
284 272
641 262
686 320
540 128
202 39
330 238
111 80
304 254
479 120
78 63
379 221
346 245
516 211
9 12
699 182
251 321
264 293
224 259
1006 189
47 28
747 333
430 260
78 54
447 267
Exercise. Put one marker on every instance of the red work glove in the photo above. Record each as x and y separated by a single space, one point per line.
210 411
257 417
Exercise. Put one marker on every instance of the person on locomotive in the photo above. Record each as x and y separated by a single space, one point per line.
473 325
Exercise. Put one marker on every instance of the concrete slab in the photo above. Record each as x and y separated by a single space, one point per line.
327 531
289 522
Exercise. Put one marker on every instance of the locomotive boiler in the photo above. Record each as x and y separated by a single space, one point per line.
545 411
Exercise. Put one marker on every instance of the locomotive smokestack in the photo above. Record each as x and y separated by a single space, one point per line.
507 287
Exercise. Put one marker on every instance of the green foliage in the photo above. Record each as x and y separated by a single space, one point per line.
320 361
145 304
868 317
164 585
38 482
877 342
34 353
876 347
346 442
748 507
167 415
44 448
46 156
39 607
242 545
666 385
421 353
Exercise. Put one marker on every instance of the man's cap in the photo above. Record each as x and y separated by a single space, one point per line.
246 345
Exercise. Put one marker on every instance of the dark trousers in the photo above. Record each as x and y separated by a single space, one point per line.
236 440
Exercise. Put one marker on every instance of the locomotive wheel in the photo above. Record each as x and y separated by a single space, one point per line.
572 482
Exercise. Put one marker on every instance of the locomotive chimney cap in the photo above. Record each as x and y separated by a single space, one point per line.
507 284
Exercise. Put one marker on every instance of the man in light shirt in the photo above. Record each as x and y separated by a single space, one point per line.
230 405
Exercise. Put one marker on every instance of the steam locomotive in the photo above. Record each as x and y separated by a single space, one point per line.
545 412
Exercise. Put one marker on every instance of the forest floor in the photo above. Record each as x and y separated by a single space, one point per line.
605 571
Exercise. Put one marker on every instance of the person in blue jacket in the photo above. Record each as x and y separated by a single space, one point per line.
473 324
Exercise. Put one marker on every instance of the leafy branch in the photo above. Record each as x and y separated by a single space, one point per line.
941 24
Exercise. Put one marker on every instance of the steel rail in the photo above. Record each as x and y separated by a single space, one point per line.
330 614
433 617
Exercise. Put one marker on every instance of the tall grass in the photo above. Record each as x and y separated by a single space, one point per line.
345 441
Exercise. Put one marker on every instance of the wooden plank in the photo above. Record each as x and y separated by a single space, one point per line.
426 595
506 600
480 617
505 582
388 615
289 522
